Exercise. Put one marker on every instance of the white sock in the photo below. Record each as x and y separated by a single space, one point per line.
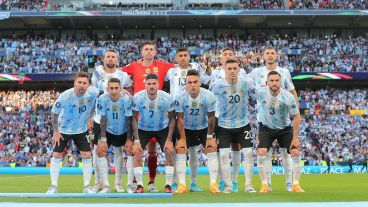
219 170
130 172
248 165
236 158
169 170
261 168
193 163
212 166
138 173
97 172
181 167
54 170
225 164
288 165
268 166
297 169
87 171
118 162
102 166
175 177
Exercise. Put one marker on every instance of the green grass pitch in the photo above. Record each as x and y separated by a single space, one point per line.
318 187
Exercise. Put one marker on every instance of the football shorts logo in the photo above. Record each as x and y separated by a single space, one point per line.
151 106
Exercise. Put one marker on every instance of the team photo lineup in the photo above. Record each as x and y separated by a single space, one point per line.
182 108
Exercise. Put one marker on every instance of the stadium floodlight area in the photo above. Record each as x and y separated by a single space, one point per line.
86 195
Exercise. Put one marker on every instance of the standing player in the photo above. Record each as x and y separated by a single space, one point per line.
195 111
219 74
276 106
138 70
100 79
69 116
177 77
157 119
115 109
259 76
233 122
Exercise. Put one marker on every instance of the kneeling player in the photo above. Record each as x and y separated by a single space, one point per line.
195 110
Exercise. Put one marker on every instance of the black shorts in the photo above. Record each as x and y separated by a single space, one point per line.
80 140
116 140
96 132
145 136
267 136
196 137
240 136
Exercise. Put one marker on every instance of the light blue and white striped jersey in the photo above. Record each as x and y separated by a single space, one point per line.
153 114
100 78
276 110
115 112
195 109
232 102
178 77
259 76
219 74
74 110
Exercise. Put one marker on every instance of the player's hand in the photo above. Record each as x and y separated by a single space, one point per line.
295 144
56 137
137 148
169 146
211 145
180 144
90 124
102 145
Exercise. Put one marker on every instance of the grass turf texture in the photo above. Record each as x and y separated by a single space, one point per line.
318 187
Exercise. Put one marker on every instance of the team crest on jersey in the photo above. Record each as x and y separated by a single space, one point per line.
233 90
151 106
183 73
114 108
194 104
155 70
148 71
81 102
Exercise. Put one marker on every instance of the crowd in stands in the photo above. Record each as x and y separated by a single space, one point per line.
327 128
316 53
328 4
40 5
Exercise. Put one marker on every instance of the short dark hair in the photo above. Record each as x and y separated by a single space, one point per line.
114 80
81 75
147 43
269 47
192 72
273 73
151 76
231 61
112 50
181 49
227 48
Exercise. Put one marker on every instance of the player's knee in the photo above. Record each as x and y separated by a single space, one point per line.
294 153
58 155
128 149
152 153
210 149
102 152
85 155
138 154
262 151
181 150
235 147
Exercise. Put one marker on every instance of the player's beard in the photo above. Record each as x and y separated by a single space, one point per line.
110 65
275 88
152 91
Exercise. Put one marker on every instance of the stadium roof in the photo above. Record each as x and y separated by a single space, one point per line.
161 19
